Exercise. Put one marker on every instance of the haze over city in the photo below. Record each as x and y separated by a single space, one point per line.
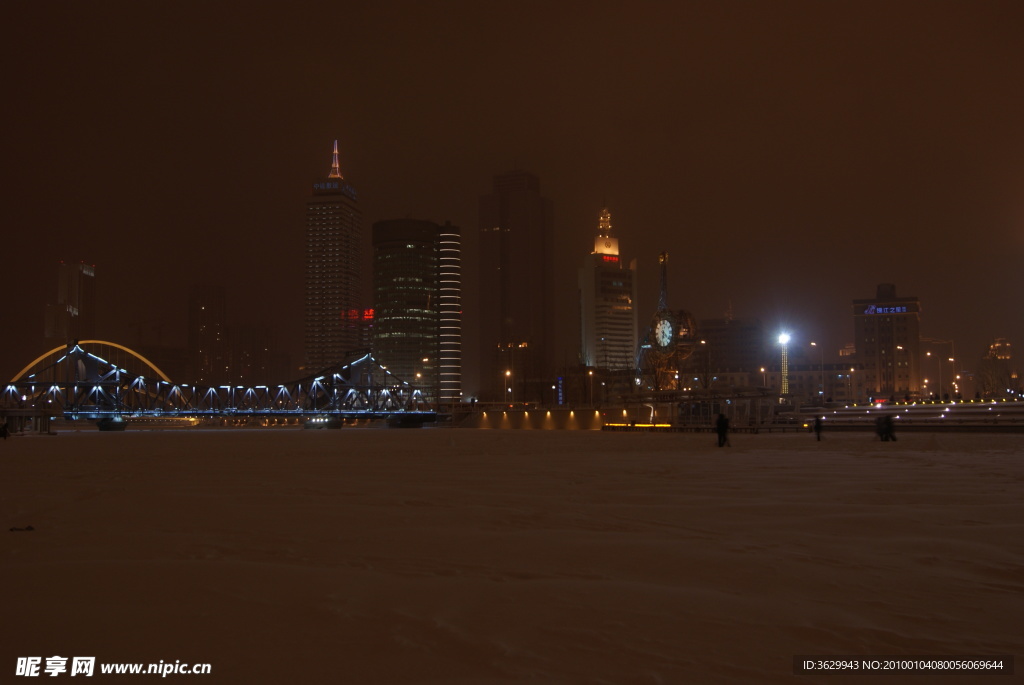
789 157
234 192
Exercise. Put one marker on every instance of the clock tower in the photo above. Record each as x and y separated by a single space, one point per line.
668 341
604 243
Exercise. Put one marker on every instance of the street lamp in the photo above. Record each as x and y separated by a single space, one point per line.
764 379
784 342
591 375
821 388
952 383
951 358
938 392
508 389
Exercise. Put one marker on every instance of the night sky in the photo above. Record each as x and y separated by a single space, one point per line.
789 156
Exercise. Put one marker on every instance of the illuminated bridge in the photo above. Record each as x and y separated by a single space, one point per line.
100 380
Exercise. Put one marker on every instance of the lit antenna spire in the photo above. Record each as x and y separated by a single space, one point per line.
663 296
604 224
335 170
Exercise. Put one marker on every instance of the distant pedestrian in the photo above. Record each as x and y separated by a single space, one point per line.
880 428
722 428
3 430
817 427
890 428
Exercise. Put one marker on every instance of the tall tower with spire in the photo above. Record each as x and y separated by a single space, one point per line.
336 319
608 315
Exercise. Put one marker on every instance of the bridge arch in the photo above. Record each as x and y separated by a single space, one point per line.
67 348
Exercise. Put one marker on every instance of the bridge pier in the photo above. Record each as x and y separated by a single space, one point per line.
24 421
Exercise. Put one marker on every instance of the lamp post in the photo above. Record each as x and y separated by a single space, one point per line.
435 391
784 343
821 388
951 358
591 375
764 378
900 360
938 390
508 389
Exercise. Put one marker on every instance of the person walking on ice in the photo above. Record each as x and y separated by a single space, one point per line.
722 428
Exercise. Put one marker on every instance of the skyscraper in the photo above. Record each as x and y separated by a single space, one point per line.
887 338
999 373
515 299
417 304
334 305
74 315
608 316
732 345
208 334
450 301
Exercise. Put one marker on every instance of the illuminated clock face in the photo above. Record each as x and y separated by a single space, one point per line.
663 332
607 243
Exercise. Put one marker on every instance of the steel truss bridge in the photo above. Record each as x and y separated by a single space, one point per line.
95 379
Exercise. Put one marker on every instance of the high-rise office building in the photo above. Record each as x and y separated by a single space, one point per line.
73 317
608 316
450 304
417 304
335 317
999 372
221 352
255 356
887 338
1000 349
208 334
732 345
515 300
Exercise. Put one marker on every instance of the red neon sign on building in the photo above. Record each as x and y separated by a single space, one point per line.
357 315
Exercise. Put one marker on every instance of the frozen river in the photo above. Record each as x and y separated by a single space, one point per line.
466 556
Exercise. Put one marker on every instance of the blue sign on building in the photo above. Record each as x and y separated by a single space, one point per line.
873 309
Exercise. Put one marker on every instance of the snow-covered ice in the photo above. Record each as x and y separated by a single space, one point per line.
489 556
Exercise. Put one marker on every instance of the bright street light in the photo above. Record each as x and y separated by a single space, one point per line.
783 341
821 390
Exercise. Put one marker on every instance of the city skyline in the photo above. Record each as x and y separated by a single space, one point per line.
788 158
